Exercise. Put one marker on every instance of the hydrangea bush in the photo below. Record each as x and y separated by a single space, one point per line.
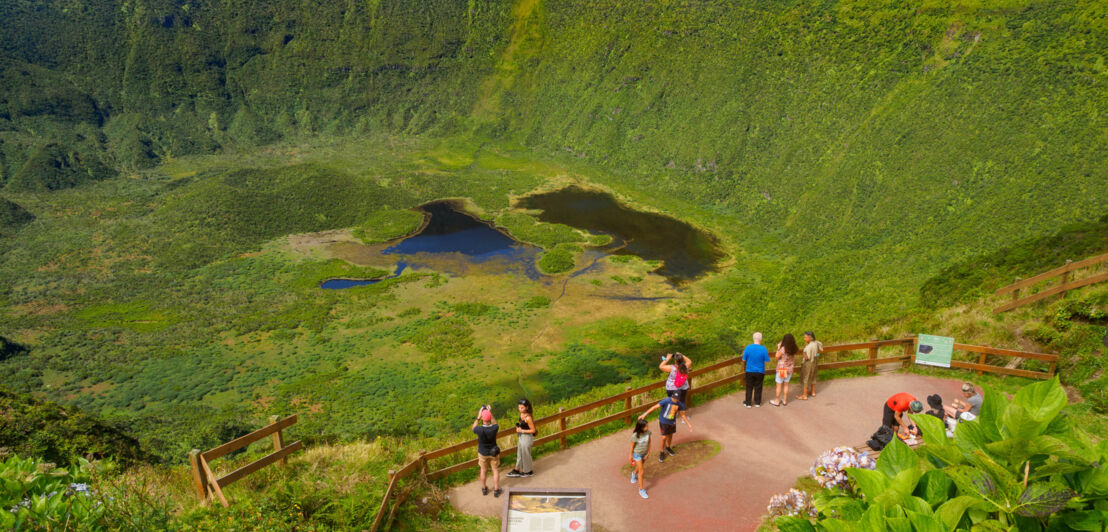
38 495
830 468
795 502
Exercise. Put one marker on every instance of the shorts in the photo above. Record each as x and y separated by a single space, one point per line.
783 376
667 429
638 457
488 461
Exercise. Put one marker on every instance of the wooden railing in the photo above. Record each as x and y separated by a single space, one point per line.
725 372
1065 284
206 482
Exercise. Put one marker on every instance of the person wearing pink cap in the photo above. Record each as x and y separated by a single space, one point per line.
488 452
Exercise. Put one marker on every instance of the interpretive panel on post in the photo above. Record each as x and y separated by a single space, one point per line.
934 350
546 510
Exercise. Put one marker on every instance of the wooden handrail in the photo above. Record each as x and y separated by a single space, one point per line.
1066 287
1018 285
243 441
872 361
204 478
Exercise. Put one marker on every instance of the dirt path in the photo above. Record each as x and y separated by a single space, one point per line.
762 452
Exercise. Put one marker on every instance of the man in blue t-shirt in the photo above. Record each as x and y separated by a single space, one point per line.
667 421
755 356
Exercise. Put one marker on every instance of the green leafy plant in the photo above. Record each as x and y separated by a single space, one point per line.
36 495
1021 465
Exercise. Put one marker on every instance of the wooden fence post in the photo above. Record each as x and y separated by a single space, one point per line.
562 425
873 360
981 361
423 464
198 475
627 406
909 353
1016 292
278 440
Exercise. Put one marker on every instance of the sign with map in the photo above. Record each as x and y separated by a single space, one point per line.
546 510
934 350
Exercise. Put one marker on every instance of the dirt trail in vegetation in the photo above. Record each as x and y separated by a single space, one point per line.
763 451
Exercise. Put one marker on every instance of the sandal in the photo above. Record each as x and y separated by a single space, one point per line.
775 403
497 492
484 490
802 397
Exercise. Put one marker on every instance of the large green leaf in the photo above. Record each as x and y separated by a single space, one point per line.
970 437
844 506
896 457
974 482
838 525
871 483
992 408
873 520
1018 450
898 524
794 524
922 522
991 525
1017 422
1043 498
1094 482
932 428
934 487
951 511
1093 520
1042 400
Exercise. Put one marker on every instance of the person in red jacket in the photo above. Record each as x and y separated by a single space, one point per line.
893 416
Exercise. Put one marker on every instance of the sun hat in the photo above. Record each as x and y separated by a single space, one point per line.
916 406
935 400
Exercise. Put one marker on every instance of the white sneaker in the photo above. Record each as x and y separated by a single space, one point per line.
642 493
634 478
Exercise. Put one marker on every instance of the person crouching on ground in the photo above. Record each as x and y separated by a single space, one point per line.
667 422
893 412
677 366
971 404
640 447
755 357
810 366
525 432
488 452
786 356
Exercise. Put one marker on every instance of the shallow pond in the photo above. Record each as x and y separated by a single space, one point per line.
686 252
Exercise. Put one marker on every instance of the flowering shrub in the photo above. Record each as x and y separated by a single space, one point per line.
830 468
37 495
795 502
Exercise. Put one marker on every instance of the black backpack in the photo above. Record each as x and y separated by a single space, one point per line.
881 438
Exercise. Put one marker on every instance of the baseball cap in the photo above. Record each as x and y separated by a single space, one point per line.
916 406
486 415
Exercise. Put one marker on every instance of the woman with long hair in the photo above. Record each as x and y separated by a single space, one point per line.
677 366
525 432
640 447
786 355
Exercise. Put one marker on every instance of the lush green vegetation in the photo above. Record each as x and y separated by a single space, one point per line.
871 169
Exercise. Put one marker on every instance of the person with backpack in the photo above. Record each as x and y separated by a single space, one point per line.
667 421
677 366
640 447
525 432
488 452
755 357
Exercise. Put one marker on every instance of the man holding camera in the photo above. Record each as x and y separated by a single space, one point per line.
488 452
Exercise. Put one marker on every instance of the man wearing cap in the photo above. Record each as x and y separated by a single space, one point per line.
972 404
488 452
671 406
812 349
895 408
